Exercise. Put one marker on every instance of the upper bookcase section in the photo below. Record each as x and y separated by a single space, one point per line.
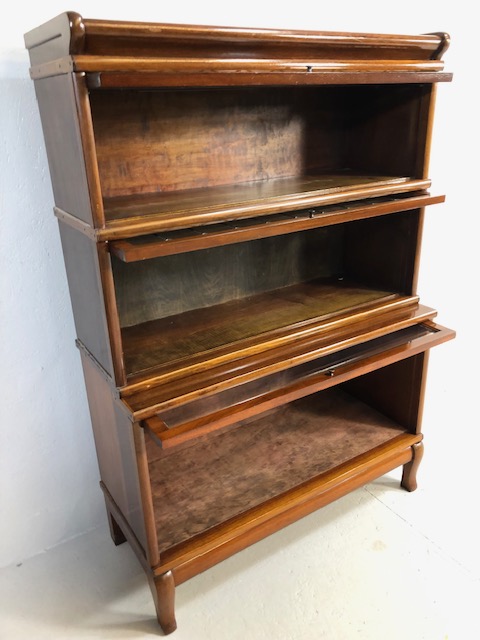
135 54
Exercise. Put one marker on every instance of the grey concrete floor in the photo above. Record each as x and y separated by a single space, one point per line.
378 564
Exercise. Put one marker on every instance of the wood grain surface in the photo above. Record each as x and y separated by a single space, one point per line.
208 484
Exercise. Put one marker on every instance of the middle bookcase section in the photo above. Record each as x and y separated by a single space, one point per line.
268 301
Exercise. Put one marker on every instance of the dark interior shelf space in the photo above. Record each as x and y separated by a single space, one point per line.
225 476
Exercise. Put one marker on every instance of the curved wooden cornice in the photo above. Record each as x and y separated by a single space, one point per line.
444 44
173 54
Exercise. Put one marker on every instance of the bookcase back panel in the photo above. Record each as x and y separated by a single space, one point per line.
160 141
175 284
167 140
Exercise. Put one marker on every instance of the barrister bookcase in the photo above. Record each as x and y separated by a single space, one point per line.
241 215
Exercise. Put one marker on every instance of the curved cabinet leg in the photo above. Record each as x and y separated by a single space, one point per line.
163 591
409 476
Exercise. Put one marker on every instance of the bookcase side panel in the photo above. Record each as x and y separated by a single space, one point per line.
86 293
63 142
114 442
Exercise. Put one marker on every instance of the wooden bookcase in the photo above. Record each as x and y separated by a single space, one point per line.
241 215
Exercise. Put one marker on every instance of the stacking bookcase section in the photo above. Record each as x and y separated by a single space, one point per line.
289 293
241 215
177 159
288 460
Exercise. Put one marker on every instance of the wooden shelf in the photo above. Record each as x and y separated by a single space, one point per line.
222 478
173 387
140 214
216 235
286 313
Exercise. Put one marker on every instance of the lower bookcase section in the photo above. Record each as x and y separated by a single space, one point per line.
225 465
229 483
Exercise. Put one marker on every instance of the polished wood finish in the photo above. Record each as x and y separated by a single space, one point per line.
56 97
163 591
366 74
174 242
115 446
409 476
262 459
116 532
243 262
195 208
82 264
165 390
174 427
71 34
197 556
151 549
291 139
231 325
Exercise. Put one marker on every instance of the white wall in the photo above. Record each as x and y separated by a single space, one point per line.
48 471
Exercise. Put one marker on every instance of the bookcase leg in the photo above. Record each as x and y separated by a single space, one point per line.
115 531
163 591
409 476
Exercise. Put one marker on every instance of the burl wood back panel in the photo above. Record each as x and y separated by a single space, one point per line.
174 284
155 141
